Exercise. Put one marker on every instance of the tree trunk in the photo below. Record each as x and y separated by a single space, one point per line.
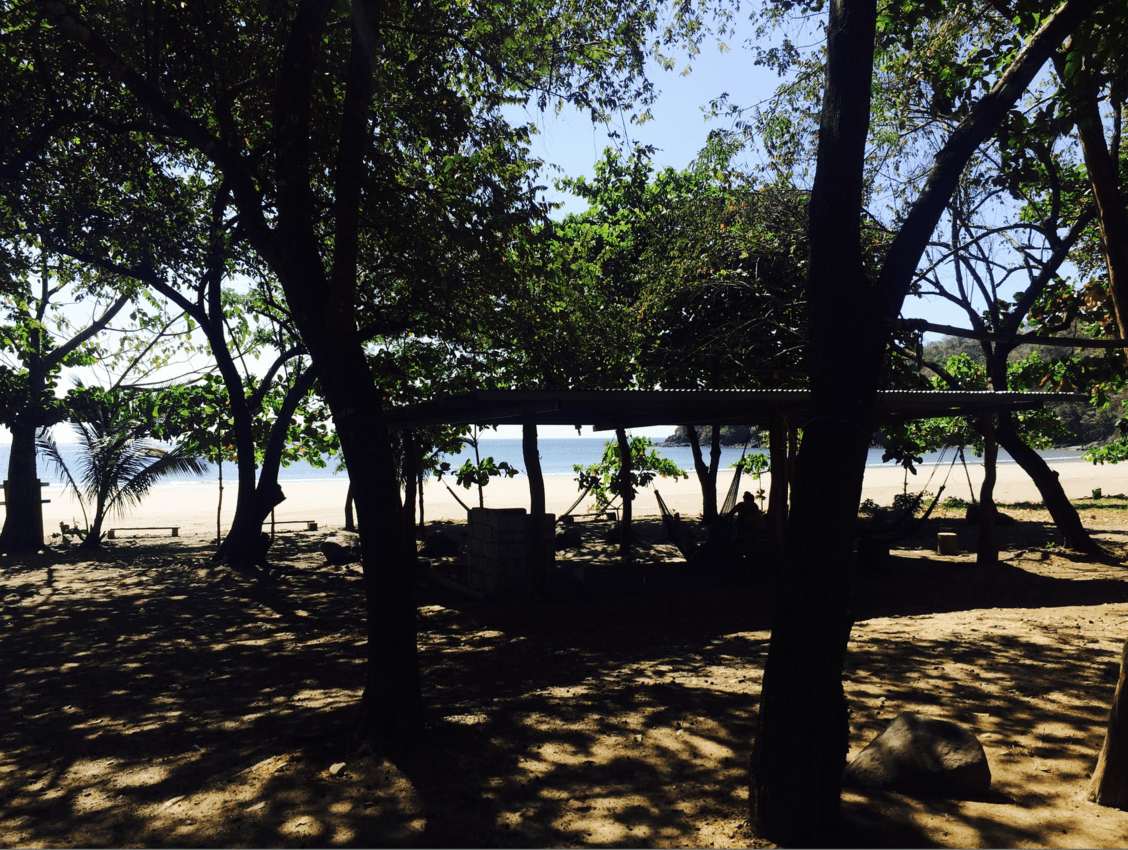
778 489
410 475
324 309
628 495
538 551
987 549
1101 165
23 521
350 522
243 544
706 477
803 727
1065 516
1110 777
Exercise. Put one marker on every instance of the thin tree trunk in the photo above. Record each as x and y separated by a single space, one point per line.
987 549
1101 166
778 489
1110 777
422 517
350 523
625 489
219 507
410 477
538 545
243 544
706 477
1065 516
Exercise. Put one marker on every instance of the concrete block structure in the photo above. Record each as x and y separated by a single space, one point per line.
498 552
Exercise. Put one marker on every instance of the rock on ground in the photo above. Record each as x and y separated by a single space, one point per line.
341 547
920 754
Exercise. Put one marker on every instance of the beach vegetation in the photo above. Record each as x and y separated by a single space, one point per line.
605 478
118 462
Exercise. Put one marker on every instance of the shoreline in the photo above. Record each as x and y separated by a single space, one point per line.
192 506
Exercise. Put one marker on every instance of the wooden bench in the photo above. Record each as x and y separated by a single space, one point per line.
309 524
111 534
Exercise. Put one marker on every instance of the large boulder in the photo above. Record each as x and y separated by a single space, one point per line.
341 547
922 755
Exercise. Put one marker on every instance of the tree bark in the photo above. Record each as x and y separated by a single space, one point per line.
987 548
780 469
1101 165
1110 777
23 521
242 545
625 489
350 521
706 475
1065 516
409 472
803 728
538 551
324 309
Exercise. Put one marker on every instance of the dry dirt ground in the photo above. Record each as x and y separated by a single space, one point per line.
150 700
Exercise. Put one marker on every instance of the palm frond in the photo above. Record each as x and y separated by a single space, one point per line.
138 476
45 444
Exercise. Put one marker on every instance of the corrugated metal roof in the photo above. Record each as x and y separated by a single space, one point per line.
608 409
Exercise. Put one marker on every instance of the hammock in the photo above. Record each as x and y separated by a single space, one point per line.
672 523
730 500
576 503
904 525
456 498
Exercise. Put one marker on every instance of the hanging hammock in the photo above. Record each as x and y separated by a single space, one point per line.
904 525
734 488
457 499
576 503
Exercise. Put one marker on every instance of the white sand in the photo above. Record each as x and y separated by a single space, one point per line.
192 507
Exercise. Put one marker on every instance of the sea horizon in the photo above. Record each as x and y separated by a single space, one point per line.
558 457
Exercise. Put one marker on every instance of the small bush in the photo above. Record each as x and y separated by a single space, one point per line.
910 502
868 508
955 503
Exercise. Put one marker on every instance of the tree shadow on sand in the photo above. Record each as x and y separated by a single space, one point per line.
151 699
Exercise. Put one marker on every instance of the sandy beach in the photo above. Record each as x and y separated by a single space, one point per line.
193 507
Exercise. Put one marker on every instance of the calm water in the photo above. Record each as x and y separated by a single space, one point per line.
557 458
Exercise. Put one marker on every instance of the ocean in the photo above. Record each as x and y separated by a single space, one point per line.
558 456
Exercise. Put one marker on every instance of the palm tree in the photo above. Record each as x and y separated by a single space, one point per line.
119 465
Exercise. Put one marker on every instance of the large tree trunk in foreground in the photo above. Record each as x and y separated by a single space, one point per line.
1110 777
23 520
803 729
323 307
1065 516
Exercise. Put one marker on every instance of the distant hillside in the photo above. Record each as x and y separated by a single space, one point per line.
731 435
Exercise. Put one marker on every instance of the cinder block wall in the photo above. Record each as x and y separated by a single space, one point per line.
498 551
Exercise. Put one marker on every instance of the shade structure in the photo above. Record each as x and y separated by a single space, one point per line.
609 409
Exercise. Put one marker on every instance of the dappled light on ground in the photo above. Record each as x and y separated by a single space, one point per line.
152 700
